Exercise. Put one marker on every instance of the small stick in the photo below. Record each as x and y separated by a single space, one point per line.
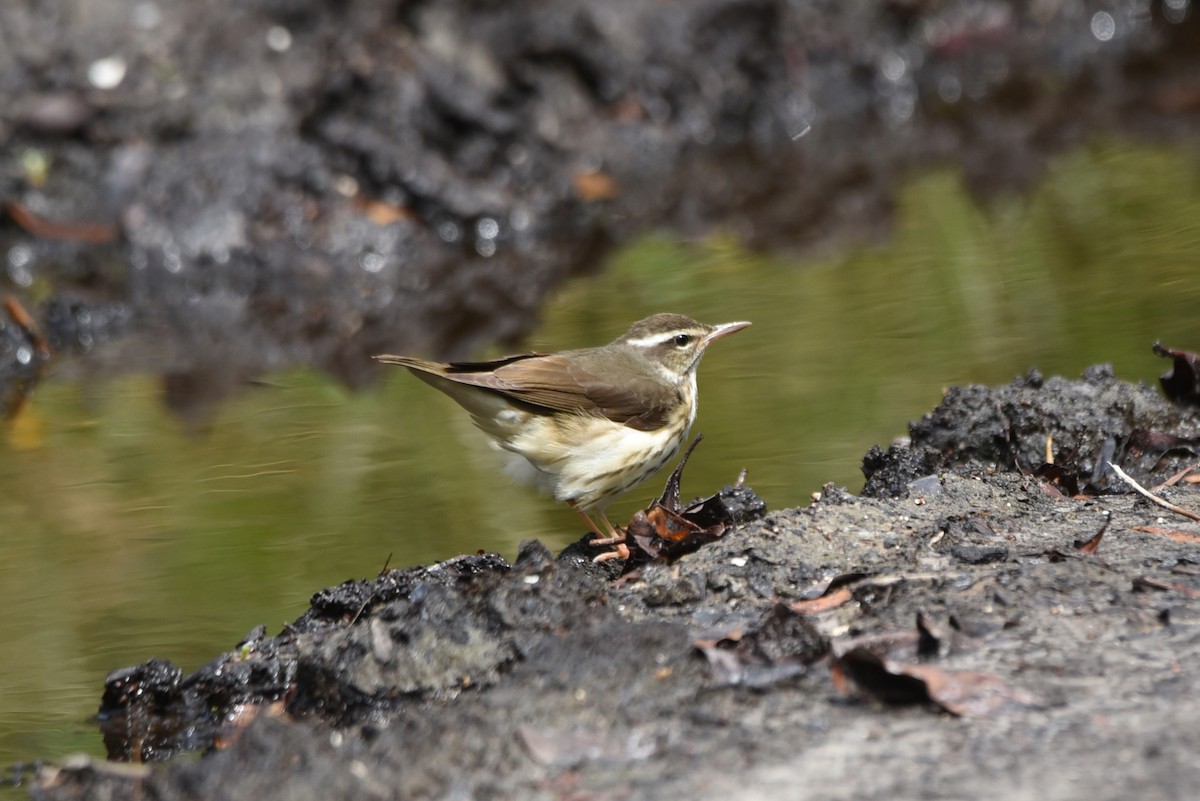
93 233
1179 510
1175 479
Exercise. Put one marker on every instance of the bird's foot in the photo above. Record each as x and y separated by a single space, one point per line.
620 552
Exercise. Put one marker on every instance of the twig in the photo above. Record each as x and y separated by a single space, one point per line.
93 233
1175 479
1179 510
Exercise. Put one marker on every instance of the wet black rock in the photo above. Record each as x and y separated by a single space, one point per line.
891 473
1087 423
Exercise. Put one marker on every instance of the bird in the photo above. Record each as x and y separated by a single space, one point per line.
587 425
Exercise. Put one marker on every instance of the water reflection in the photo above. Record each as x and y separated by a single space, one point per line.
126 537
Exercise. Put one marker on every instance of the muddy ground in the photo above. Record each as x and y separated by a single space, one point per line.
957 631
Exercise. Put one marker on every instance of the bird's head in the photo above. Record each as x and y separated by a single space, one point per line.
672 342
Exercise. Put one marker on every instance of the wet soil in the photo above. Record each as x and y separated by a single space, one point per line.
956 631
206 191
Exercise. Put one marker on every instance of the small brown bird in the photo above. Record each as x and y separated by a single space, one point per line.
590 424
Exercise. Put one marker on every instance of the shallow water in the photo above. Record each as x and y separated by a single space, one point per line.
127 535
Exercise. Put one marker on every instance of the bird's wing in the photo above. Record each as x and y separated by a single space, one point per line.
555 383
561 384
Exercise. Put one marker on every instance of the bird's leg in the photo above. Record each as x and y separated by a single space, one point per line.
613 538
608 527
620 552
614 534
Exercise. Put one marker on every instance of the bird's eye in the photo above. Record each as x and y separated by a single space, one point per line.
682 340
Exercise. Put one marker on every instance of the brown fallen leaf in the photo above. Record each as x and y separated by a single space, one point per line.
1186 475
1093 545
831 583
968 693
667 529
94 233
1058 479
381 212
843 587
1153 441
594 185
1177 534
1144 583
1181 384
833 600
869 672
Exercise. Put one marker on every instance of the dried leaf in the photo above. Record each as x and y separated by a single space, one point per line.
1058 478
1185 475
1177 534
383 213
1181 384
1160 442
1144 583
670 498
826 586
870 673
968 693
93 233
667 530
1092 545
824 603
594 186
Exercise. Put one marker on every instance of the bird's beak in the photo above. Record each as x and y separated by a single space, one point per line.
722 330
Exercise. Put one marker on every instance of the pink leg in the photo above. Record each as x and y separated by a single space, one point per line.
614 537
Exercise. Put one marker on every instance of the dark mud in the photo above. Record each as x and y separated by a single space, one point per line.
751 668
206 191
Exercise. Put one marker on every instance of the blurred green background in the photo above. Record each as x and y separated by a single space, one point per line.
127 536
